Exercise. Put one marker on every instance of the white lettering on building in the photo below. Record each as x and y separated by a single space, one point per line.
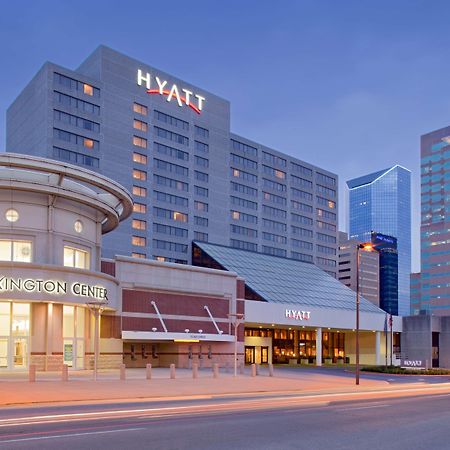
145 79
53 287
297 314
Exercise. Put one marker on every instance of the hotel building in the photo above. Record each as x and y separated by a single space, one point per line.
169 143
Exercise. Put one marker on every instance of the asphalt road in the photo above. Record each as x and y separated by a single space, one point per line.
236 422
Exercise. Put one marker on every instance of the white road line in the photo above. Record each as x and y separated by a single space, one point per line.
41 438
361 407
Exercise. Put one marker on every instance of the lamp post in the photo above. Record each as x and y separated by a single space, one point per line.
238 319
96 307
367 246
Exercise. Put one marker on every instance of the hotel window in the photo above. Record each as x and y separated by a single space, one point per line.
301 219
139 175
248 149
326 191
15 250
302 257
88 143
274 159
243 189
203 162
274 172
201 191
169 198
170 151
250 232
200 206
139 208
326 214
199 236
174 121
174 137
138 241
139 158
301 194
274 185
201 147
167 229
244 175
275 212
301 231
301 206
201 176
139 125
237 215
138 255
244 161
301 169
243 202
170 246
274 251
75 157
139 142
274 238
75 257
140 109
326 179
169 167
139 191
301 182
76 121
76 103
169 182
88 89
243 245
180 217
203 132
274 198
139 224
202 221
325 202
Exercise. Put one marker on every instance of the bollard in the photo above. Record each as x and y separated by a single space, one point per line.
270 370
172 371
253 370
194 370
241 369
122 372
216 370
65 372
148 371
32 373
257 369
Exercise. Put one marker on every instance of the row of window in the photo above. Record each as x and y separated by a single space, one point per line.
75 103
76 121
75 157
22 251
76 85
76 139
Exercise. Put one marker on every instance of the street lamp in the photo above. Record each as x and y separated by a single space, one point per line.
367 246
96 307
238 319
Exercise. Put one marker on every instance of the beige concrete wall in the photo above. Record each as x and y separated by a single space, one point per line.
367 348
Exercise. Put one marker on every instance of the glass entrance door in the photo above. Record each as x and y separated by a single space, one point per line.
20 353
249 355
264 355
4 353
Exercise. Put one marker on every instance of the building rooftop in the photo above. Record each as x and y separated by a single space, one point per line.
284 280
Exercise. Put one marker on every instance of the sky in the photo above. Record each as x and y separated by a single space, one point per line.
346 85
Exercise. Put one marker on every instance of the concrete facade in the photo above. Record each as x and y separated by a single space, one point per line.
191 177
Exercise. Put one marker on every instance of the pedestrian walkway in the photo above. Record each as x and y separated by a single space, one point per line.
15 388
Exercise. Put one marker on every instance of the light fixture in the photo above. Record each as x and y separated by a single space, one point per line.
200 331
154 329
12 215
186 330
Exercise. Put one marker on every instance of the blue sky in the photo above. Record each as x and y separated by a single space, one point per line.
347 85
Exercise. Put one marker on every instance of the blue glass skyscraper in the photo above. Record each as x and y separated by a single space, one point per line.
381 202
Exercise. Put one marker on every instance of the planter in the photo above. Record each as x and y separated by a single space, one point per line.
328 361
293 362
304 361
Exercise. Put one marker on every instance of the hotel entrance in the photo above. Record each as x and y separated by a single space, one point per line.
14 335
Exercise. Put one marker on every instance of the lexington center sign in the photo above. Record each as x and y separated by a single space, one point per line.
52 287
182 96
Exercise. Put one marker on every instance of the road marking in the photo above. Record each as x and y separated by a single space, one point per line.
40 438
362 407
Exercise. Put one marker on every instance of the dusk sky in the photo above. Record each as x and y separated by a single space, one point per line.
349 86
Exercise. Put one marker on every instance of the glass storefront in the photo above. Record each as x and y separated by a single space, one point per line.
299 345
14 335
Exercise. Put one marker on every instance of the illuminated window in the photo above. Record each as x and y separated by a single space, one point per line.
139 142
88 89
138 255
280 174
139 208
88 143
139 175
12 215
331 204
179 217
235 173
138 241
78 226
140 109
160 258
235 215
139 158
139 191
75 257
139 224
15 250
139 125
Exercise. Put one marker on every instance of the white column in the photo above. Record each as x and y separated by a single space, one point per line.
319 347
377 348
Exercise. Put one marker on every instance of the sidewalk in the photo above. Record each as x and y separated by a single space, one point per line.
15 388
